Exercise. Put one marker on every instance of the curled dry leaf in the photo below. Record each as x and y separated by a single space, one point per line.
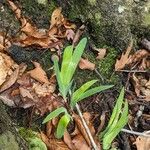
86 64
6 67
142 143
138 56
141 86
120 64
38 73
4 42
12 79
67 139
101 53
57 17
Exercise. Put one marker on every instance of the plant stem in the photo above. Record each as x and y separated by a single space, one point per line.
86 128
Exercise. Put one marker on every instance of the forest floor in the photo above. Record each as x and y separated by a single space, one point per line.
29 87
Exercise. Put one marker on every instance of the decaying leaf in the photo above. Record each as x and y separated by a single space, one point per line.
120 64
38 73
53 144
82 129
101 53
141 86
80 143
138 56
142 143
4 42
12 79
67 139
86 64
57 17
6 67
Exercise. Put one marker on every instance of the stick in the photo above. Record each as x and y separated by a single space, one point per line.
135 133
86 128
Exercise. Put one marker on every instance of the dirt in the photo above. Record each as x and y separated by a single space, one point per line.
97 104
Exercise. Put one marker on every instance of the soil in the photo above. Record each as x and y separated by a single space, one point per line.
97 104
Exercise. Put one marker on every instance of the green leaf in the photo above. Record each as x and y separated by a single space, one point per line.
36 144
67 59
75 58
77 94
110 135
62 125
57 71
54 114
90 93
115 114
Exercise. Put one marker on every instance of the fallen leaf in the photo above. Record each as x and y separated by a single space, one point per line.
120 64
43 90
67 139
70 34
53 144
82 129
56 17
138 56
80 143
136 85
86 64
38 73
6 67
25 93
142 143
49 127
12 79
78 35
101 53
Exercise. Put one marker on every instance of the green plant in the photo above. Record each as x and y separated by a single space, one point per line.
118 120
65 79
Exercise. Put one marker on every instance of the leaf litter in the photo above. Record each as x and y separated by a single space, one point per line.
20 87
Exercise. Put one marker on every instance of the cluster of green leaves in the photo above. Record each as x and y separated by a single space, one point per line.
65 79
118 120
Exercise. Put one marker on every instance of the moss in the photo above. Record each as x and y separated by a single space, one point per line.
7 141
107 64
40 14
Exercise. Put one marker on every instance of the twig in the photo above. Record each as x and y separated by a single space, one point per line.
86 128
96 71
133 71
135 133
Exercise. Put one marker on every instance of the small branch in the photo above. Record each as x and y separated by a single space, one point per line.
135 133
86 128
134 71
96 71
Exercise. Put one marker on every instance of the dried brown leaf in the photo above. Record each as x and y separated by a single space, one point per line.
78 34
80 143
67 139
12 79
53 144
142 143
38 73
120 64
56 17
101 53
138 56
86 64
6 66
82 129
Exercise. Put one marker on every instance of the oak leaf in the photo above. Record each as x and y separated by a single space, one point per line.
120 64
